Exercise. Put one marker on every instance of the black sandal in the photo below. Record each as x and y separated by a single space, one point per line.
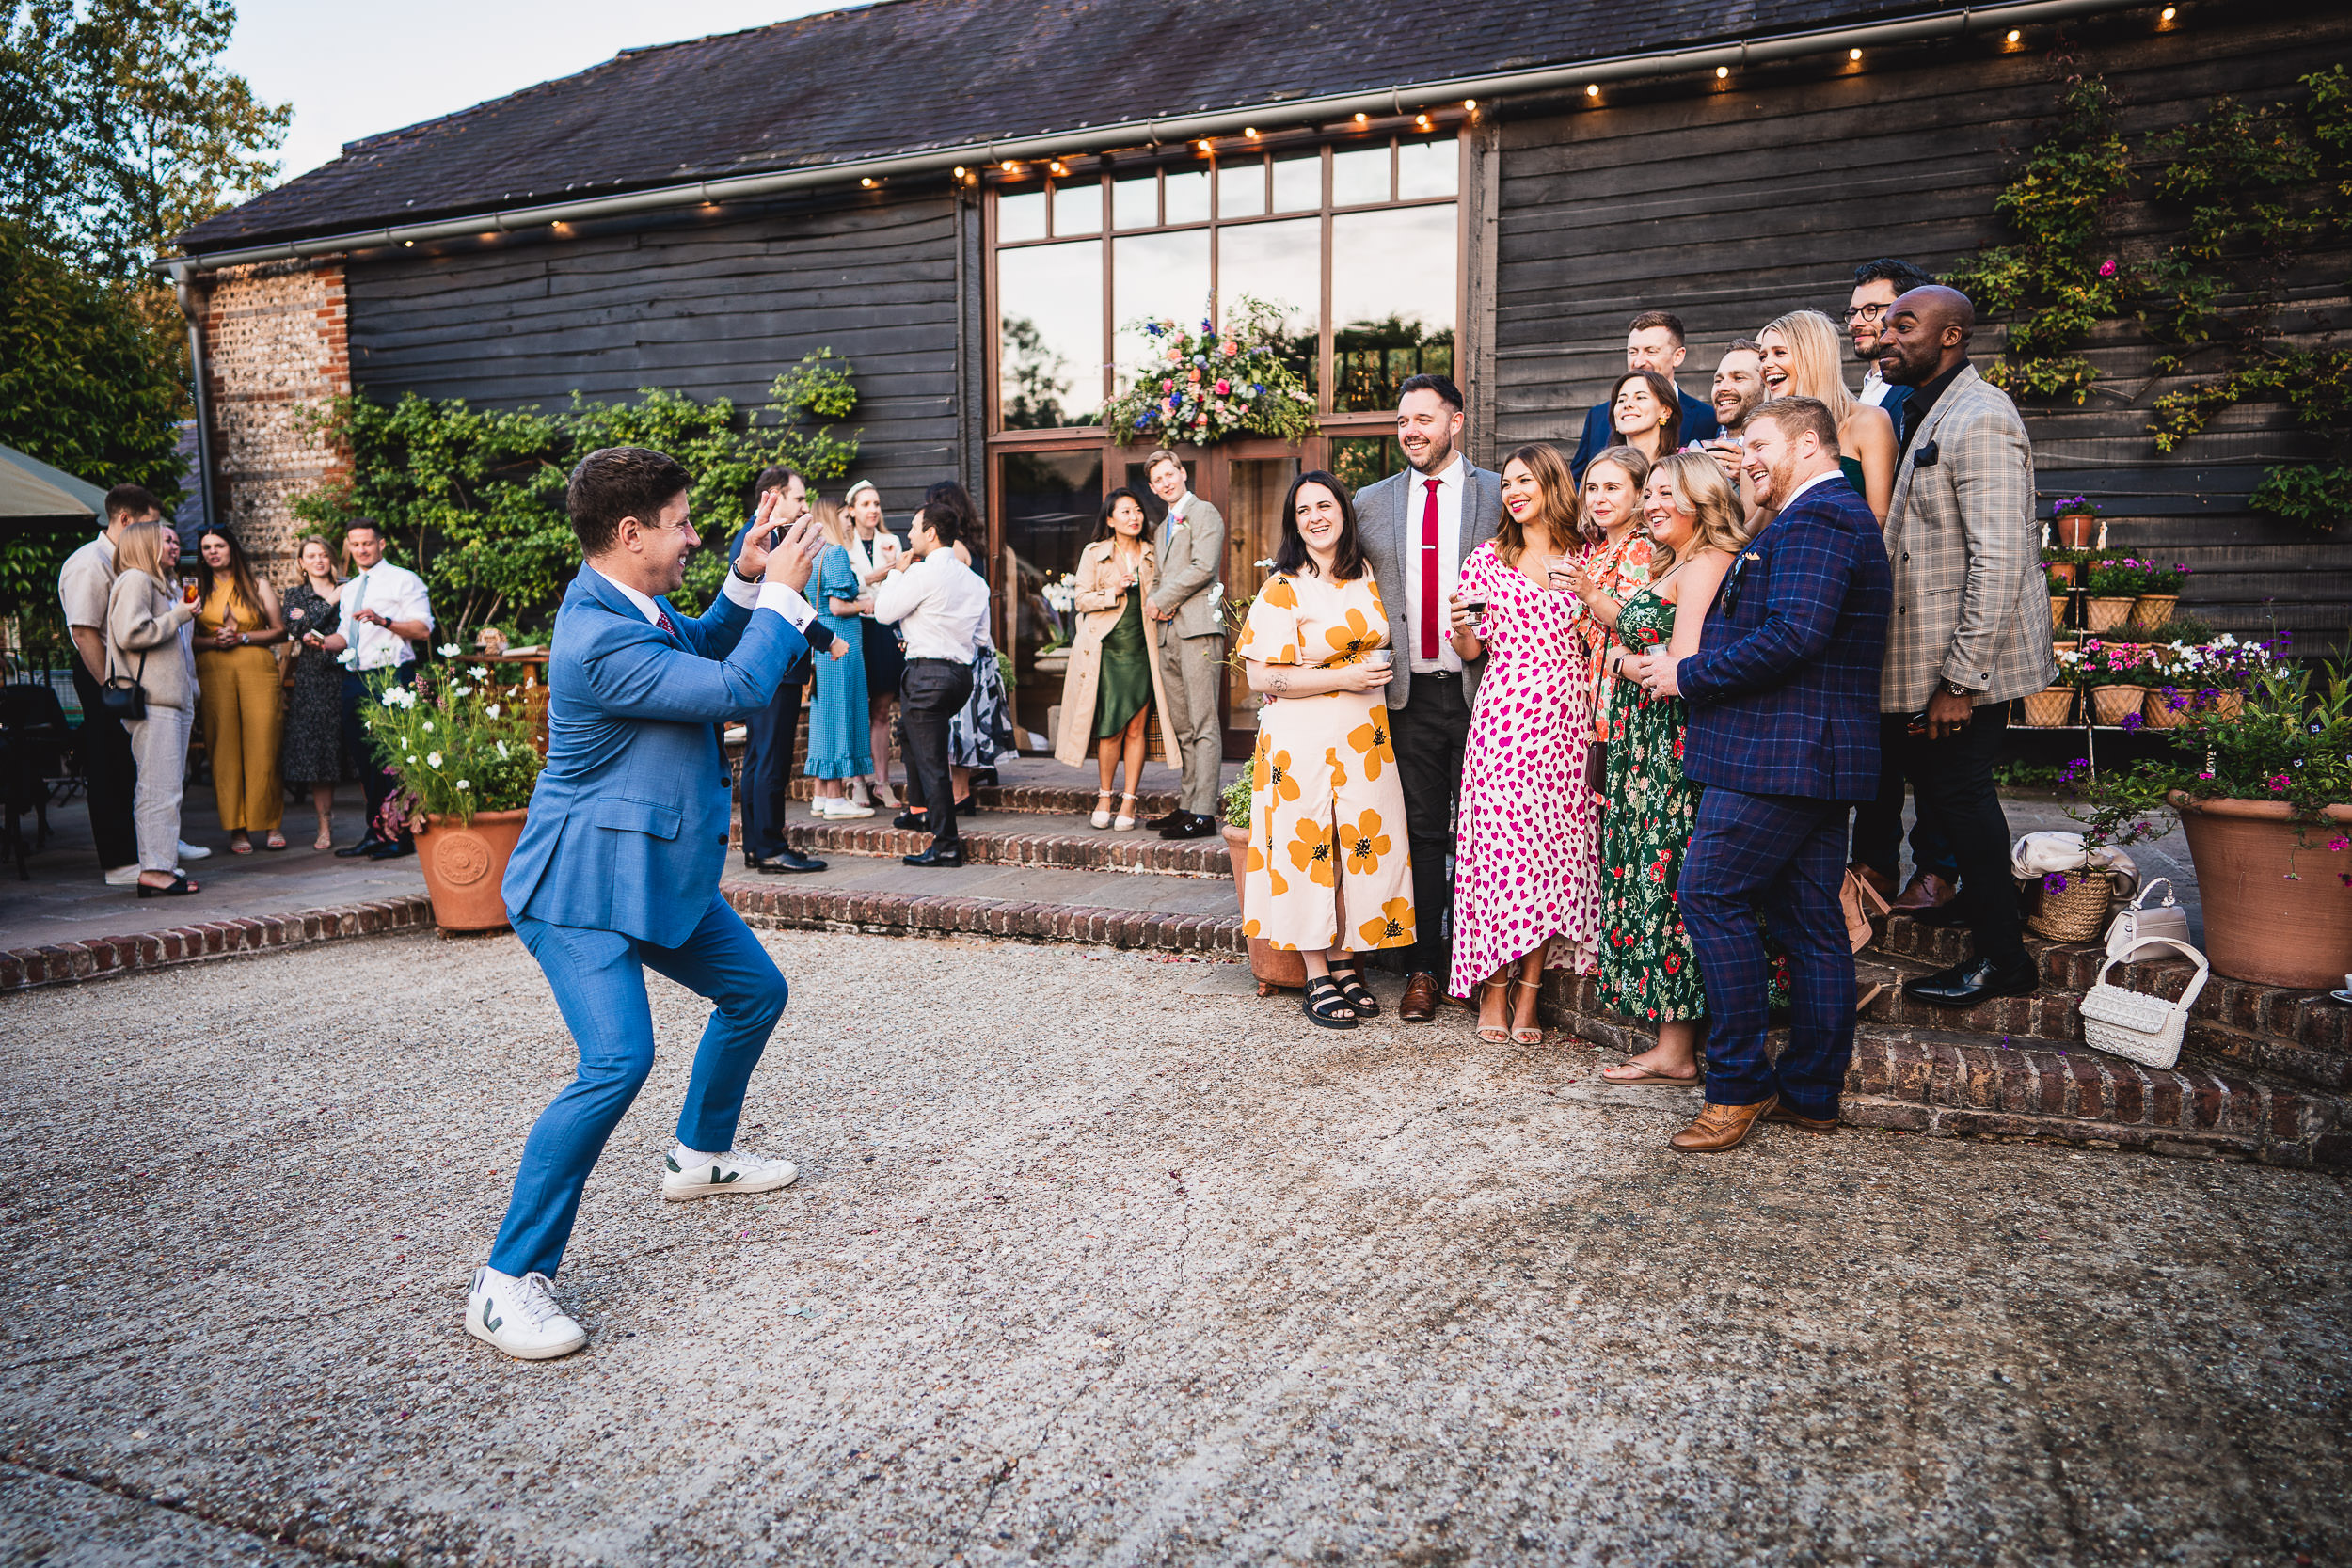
1351 983
1323 1003
179 887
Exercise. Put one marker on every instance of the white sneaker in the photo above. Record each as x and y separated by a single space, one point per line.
520 1316
689 1175
842 809
123 875
194 851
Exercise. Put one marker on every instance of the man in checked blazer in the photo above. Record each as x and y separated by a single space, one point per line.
1971 628
1784 733
1419 526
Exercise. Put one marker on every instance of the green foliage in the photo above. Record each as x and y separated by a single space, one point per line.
474 498
459 743
2315 495
1234 803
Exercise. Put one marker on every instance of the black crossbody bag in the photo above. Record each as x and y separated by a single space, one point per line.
124 697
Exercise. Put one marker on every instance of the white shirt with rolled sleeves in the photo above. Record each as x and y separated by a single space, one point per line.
395 593
938 605
1407 635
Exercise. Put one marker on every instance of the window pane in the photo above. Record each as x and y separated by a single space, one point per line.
1427 168
1049 301
1241 190
1358 460
1298 184
1281 263
1187 195
1021 216
1136 202
1155 276
1078 208
1049 501
1360 176
1391 300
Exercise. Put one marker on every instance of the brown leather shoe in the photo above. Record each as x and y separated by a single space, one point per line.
1722 1127
1881 883
1786 1118
1420 999
1926 891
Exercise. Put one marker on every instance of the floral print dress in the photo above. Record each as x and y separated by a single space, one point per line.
1527 863
1327 864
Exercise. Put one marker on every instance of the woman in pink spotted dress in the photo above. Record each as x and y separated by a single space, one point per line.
1527 889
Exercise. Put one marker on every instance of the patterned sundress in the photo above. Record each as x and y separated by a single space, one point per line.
1327 836
1527 861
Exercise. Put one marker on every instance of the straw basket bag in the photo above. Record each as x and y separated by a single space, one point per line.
2135 1026
2078 914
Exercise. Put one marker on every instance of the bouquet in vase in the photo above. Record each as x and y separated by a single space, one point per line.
1202 386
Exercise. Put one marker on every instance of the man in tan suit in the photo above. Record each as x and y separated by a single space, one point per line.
1971 628
1188 554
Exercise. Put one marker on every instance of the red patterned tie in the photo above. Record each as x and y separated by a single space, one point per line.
661 619
1429 575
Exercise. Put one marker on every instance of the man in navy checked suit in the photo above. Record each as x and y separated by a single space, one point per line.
1784 734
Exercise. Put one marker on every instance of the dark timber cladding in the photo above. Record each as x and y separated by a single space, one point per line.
709 306
1732 204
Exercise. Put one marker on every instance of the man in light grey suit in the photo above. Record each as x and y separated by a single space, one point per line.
1187 553
1971 628
1419 526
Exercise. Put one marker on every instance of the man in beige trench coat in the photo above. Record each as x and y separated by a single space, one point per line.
1187 605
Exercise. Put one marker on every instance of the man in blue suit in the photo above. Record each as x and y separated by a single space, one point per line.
1653 342
617 870
1784 734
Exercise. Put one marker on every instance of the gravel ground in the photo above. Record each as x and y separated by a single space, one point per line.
1097 1261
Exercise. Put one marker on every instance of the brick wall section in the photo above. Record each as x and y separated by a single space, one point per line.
276 345
101 958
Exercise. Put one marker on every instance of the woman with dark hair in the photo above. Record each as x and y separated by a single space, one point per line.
240 697
983 729
1646 414
1526 886
311 750
1112 685
1327 871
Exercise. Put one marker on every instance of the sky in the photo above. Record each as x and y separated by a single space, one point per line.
353 70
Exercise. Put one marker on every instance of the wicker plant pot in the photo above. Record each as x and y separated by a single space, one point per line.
2057 611
2076 530
2112 704
2226 706
2161 715
2106 613
2261 924
2078 914
2050 708
2151 611
1273 967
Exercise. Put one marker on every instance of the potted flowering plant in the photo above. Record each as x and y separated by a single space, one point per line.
2063 566
2159 595
2115 679
2264 799
466 756
1202 387
2075 520
2114 584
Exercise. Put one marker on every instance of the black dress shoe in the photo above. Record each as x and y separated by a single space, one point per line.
1165 820
938 854
1193 826
915 820
1965 984
392 851
1952 913
367 846
788 859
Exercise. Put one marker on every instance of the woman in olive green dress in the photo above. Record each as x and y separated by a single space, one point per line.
1111 687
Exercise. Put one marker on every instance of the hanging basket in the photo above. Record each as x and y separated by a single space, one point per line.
2151 611
2112 704
2078 914
2108 614
2161 715
2049 708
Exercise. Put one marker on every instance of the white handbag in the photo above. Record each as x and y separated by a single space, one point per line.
2135 1026
2136 923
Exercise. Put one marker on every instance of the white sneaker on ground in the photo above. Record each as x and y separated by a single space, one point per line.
192 851
843 809
123 875
520 1316
688 1175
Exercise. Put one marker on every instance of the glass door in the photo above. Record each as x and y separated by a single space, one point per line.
1256 476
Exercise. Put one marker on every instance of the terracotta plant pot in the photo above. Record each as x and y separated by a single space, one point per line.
2160 714
2057 611
2049 708
2108 614
2261 924
1273 966
2061 573
2151 611
462 865
2076 530
2112 704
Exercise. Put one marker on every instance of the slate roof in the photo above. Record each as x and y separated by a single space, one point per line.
909 75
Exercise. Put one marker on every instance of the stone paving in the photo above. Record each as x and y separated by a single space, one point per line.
1098 1258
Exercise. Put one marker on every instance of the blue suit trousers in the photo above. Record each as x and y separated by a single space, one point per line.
1785 855
599 982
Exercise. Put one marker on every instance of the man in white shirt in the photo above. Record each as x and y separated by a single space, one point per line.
938 605
109 773
385 609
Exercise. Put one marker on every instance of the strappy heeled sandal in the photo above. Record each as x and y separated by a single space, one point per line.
1324 1006
1351 983
1522 1036
1494 1034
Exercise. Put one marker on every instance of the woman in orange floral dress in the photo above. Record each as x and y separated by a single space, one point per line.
1328 872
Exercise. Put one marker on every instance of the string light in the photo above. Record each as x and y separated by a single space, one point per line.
1471 104
1723 73
1592 89
408 245
868 181
1853 54
1011 168
1361 117
1421 120
958 171
1249 131
2170 13
1058 168
2014 35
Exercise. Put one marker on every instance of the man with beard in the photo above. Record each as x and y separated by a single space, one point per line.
1876 285
1783 733
1738 392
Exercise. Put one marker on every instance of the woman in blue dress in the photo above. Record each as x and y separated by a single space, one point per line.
839 748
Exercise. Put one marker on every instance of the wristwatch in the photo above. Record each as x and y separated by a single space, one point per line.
1956 688
740 574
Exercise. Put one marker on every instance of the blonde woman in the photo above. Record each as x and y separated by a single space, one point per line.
144 618
1696 528
1112 685
1801 353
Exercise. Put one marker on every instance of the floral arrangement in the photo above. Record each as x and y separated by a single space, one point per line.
1202 387
2103 663
459 743
2124 577
1060 598
2074 506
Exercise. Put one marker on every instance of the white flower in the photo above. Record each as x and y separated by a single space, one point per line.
501 746
392 696
465 784
492 710
346 657
433 759
428 726
450 650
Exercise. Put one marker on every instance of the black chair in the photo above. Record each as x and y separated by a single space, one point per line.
33 742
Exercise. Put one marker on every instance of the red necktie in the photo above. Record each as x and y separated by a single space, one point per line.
1429 575
661 619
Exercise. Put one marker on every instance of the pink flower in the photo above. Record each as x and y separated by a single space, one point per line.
1223 386
1168 385
2106 268
2338 845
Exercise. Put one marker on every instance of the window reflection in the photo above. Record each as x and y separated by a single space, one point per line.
1049 301
1298 184
1185 195
1136 202
1360 176
1021 216
1427 168
1048 500
1281 262
1154 275
1393 275
1360 460
1079 209
1241 190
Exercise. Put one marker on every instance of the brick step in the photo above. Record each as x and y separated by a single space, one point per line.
797 907
986 842
1040 800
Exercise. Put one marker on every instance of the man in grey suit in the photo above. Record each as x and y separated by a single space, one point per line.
1971 628
1419 526
1186 553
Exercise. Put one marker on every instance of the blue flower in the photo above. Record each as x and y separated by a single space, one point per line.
1256 386
1201 361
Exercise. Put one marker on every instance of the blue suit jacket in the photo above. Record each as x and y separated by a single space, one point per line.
1784 689
628 824
1601 431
